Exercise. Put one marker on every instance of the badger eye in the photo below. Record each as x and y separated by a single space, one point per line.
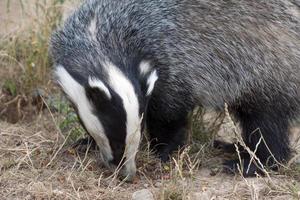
148 81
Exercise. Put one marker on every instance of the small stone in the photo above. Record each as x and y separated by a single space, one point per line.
146 185
158 184
144 194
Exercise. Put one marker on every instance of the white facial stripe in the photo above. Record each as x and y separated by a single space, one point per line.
151 82
96 83
124 88
145 67
93 29
77 95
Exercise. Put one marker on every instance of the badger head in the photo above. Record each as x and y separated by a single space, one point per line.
111 108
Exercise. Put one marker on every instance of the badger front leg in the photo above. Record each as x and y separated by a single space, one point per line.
165 135
167 124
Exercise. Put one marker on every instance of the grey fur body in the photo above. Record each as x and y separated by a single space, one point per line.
241 52
249 45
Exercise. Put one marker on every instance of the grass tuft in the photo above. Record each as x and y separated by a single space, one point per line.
27 48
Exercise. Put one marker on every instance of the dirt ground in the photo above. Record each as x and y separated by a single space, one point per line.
37 163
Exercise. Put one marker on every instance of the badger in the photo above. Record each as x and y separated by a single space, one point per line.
126 64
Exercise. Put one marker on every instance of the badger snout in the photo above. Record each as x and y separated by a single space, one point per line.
126 171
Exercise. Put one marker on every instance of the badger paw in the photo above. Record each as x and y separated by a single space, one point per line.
224 146
164 154
84 143
248 169
229 147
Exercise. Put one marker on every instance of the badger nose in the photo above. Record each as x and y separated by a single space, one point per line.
125 173
111 166
127 176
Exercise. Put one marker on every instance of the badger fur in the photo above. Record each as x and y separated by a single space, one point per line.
123 61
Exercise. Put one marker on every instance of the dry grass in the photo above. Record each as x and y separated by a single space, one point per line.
37 160
26 48
35 163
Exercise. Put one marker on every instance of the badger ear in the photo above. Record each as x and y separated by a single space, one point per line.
96 90
151 80
145 68
148 77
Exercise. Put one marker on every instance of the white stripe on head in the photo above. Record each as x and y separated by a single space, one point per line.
124 88
151 82
77 95
93 29
96 83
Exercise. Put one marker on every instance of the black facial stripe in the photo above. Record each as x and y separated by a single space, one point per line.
112 115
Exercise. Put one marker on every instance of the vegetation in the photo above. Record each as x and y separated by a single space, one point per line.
27 48
38 161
